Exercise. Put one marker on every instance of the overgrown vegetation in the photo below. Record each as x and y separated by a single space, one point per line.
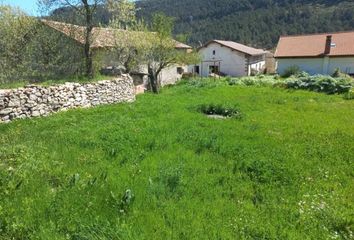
303 81
284 171
349 95
220 110
260 80
32 52
321 83
291 71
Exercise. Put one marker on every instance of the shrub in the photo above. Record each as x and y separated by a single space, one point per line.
302 74
291 71
219 109
261 80
339 74
336 73
320 83
349 95
254 72
189 75
203 82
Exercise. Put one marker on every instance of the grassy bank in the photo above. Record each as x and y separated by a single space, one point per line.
282 171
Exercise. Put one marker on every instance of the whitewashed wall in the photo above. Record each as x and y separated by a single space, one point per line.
346 65
310 65
317 65
170 75
258 63
233 62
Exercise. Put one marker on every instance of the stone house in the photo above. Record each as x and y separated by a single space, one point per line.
105 39
317 53
230 59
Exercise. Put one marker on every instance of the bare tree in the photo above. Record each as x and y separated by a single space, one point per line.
86 10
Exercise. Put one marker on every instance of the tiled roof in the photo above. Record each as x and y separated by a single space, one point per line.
238 47
102 37
315 45
180 45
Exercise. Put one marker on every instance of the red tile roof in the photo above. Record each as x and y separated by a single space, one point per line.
315 45
238 47
101 37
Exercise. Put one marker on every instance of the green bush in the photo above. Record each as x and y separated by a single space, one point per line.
320 83
302 74
219 109
349 95
339 74
303 81
203 82
261 80
291 71
189 75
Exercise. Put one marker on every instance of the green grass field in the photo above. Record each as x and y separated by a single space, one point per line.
285 170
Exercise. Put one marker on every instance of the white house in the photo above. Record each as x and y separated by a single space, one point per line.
230 59
317 53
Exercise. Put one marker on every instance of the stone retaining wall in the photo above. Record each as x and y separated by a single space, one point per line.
35 101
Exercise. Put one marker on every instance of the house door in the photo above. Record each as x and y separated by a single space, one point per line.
214 69
196 69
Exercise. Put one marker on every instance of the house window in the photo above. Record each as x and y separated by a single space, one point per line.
180 70
214 52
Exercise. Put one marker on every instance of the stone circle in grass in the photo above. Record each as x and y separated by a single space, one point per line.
219 111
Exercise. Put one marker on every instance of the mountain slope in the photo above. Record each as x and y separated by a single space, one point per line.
254 22
258 23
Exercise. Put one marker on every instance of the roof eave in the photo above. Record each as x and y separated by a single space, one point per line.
216 41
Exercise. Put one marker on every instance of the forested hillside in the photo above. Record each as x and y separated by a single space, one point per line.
255 22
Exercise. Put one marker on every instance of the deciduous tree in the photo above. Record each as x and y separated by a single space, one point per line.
160 52
86 10
123 13
16 30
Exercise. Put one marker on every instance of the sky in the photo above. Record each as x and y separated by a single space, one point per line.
29 6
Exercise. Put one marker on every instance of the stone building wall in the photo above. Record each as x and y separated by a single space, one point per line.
35 101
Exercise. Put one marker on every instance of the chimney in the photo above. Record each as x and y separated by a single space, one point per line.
328 45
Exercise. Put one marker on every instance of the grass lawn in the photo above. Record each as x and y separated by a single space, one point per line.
285 170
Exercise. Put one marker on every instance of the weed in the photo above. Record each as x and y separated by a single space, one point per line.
159 169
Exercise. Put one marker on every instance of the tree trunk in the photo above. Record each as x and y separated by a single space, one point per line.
153 78
88 51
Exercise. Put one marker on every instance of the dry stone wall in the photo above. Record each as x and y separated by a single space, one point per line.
35 101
